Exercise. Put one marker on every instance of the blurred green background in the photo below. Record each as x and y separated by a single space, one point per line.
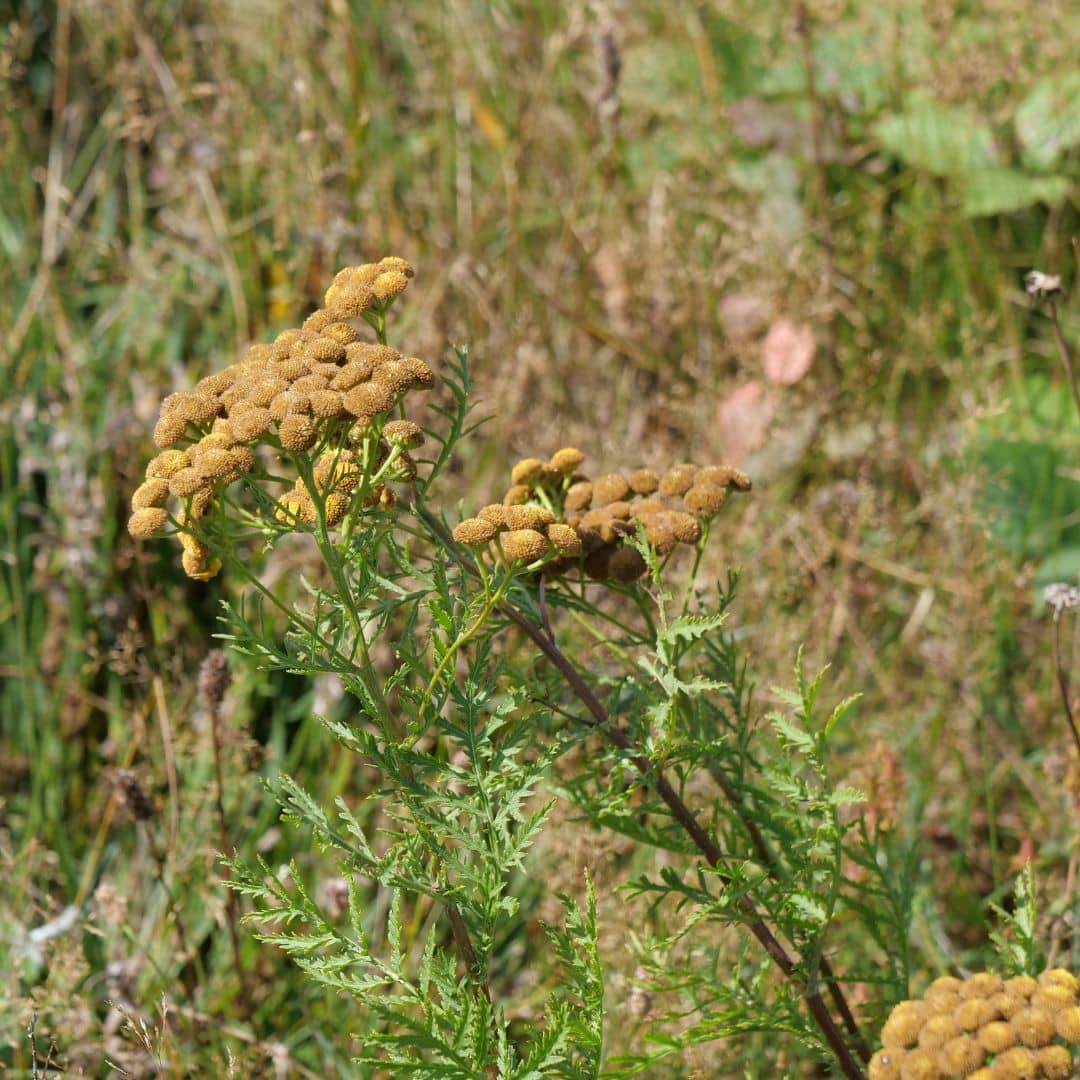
792 236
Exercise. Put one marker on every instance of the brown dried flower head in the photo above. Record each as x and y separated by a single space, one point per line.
982 1026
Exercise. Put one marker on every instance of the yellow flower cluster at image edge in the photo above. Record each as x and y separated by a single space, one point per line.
553 509
317 391
983 1028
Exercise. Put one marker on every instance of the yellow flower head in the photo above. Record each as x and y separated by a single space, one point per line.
523 545
146 520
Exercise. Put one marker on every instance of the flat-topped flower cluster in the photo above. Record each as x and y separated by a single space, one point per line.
552 510
318 395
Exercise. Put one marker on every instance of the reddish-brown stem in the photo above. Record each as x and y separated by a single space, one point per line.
701 839
1063 680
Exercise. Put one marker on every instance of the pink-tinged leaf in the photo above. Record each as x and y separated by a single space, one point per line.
744 419
787 353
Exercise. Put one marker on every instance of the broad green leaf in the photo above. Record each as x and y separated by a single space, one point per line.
1048 120
1003 191
940 139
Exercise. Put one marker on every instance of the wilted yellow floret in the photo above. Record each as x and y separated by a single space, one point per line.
146 520
1007 1004
1053 998
352 374
920 1065
523 545
885 1064
198 568
981 984
395 262
517 494
474 532
974 1013
335 507
395 375
1021 985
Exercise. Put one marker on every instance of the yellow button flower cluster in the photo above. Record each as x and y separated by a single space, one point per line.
319 392
983 1028
552 508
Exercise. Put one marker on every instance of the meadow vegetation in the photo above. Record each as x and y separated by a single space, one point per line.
788 239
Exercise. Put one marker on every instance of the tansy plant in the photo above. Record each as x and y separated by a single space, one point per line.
557 638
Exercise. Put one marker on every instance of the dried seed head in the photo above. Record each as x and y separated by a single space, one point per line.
528 517
310 383
578 496
960 1056
564 540
145 521
1033 1027
495 513
251 424
423 378
318 321
341 332
1050 998
614 487
322 350
214 678
1059 977
902 1027
937 1031
526 470
298 433
996 1036
705 499
981 984
475 532
567 460
395 375
1019 1063
619 509
167 463
201 503
186 482
216 382
517 494
350 301
658 533
1067 1024
352 374
523 545
169 429
395 262
678 479
1054 1062
403 433
151 493
389 286
626 564
372 353
644 481
214 464
401 469
369 399
327 404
